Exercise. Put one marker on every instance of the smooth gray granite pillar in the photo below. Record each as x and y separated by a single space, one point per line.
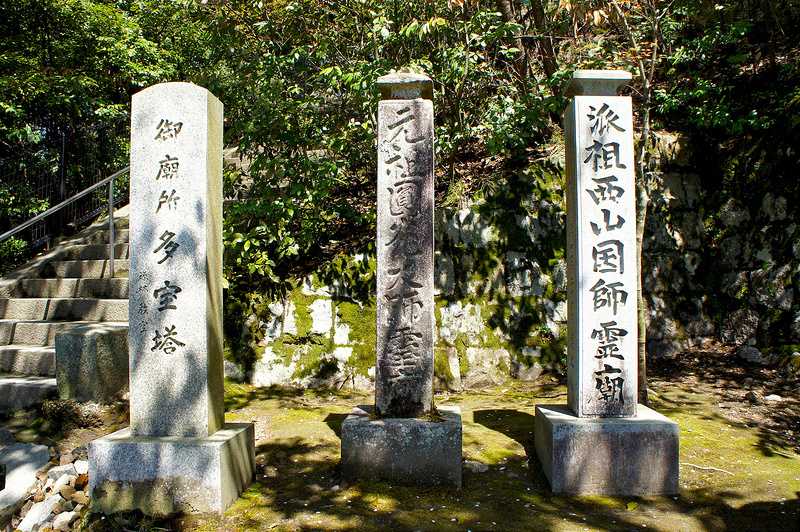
185 453
600 442
402 437
176 262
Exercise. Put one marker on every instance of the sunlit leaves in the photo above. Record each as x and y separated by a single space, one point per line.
70 64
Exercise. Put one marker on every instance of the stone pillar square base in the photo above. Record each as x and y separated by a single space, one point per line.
403 449
607 456
163 475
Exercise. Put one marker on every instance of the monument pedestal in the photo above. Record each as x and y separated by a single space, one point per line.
406 449
607 456
166 474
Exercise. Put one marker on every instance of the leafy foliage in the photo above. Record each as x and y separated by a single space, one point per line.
298 79
299 83
66 63
15 207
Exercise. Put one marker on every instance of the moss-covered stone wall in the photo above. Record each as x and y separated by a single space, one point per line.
500 289
711 273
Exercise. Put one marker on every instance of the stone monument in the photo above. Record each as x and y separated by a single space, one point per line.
403 437
178 453
602 442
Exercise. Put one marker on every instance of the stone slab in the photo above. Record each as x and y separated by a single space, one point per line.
22 461
163 475
613 456
602 271
597 82
404 298
405 86
410 450
175 338
92 363
22 391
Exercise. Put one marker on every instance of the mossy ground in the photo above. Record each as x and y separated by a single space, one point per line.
739 461
732 477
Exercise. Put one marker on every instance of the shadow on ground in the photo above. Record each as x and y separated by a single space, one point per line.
727 483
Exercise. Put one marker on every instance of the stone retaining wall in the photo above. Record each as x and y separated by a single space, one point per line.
710 275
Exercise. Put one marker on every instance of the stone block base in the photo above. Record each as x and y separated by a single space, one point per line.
92 363
403 449
164 475
607 456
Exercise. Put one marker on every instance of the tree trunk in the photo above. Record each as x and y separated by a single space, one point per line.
642 195
545 41
504 7
642 199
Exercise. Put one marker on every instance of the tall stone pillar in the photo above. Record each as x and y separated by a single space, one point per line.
603 442
175 313
601 248
403 437
178 452
404 300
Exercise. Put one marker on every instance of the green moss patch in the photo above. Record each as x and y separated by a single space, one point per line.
729 480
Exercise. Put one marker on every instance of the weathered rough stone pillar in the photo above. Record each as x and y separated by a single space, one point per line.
402 437
602 442
405 309
178 452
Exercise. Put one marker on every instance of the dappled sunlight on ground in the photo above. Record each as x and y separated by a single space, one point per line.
739 470
728 481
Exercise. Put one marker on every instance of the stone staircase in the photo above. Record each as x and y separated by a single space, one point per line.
63 288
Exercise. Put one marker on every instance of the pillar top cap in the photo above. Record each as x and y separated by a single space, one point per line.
405 85
597 83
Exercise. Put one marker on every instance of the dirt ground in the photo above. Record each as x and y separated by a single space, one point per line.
739 460
761 398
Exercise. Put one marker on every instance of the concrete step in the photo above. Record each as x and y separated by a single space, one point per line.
39 332
121 236
23 391
64 309
95 252
84 268
75 288
121 221
28 359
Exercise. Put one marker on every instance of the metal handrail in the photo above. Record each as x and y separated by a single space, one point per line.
107 181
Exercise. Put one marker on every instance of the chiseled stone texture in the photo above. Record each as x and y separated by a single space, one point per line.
607 456
176 369
403 449
177 454
92 363
404 301
167 474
